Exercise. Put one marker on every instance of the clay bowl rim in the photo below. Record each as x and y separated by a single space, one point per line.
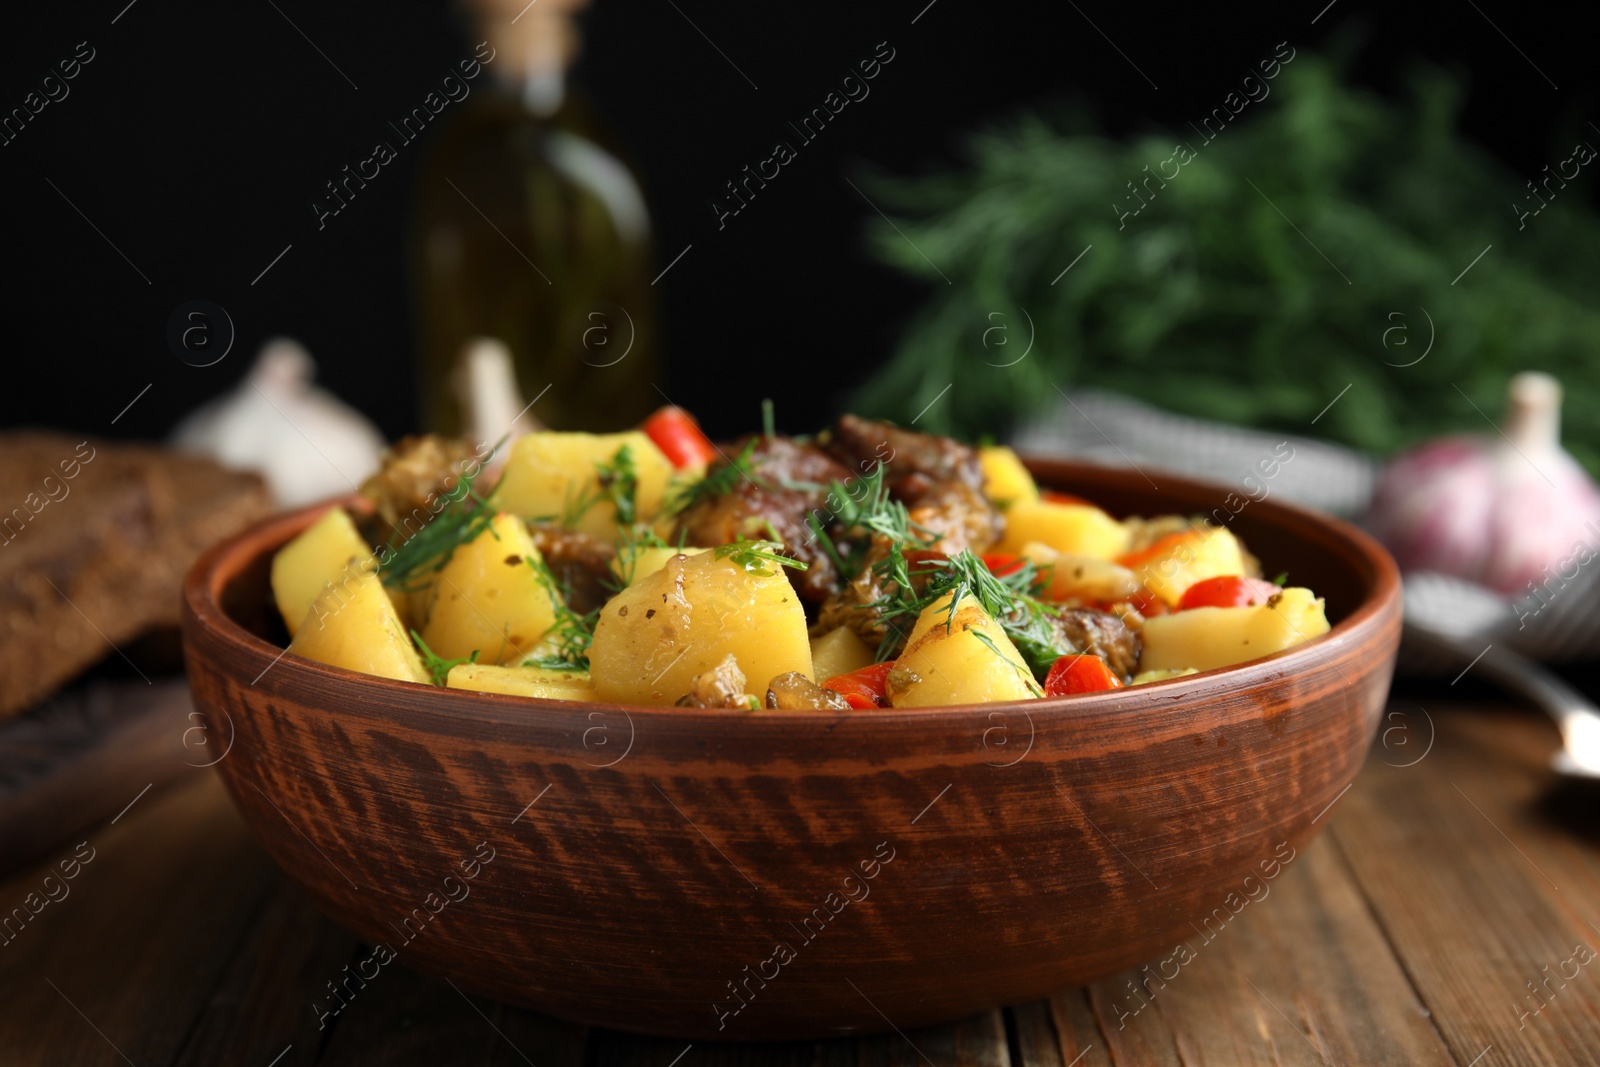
202 588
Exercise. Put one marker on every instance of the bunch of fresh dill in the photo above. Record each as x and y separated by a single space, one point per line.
1319 241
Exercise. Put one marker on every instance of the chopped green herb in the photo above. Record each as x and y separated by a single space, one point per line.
754 556
867 509
829 549
572 633
630 542
412 560
719 482
619 483
1280 579
1009 600
768 420
439 668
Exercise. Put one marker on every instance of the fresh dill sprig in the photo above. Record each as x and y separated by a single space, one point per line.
1008 600
873 514
571 634
768 420
630 542
616 480
427 551
574 507
754 556
437 667
829 549
719 482
619 483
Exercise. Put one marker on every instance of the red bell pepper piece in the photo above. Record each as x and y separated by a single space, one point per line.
1001 564
1079 674
864 689
1227 591
679 437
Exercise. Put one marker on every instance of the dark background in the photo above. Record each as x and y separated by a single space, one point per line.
198 134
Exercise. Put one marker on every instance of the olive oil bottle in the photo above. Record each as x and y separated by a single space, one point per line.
531 229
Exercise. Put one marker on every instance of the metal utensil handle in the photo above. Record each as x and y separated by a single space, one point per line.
1513 671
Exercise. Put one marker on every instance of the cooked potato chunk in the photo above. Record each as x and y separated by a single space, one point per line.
324 552
1073 529
971 661
1145 677
552 474
656 636
1005 480
522 681
353 625
1178 560
1081 577
488 599
839 651
1205 638
644 562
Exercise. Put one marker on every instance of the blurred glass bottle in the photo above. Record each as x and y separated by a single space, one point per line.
530 229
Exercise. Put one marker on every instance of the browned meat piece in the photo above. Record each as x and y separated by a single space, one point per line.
848 605
581 563
788 481
1101 634
405 490
720 687
795 692
912 460
960 515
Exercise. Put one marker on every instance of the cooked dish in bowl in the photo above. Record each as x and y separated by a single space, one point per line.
865 567
649 856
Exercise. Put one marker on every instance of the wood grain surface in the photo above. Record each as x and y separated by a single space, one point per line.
1403 935
708 874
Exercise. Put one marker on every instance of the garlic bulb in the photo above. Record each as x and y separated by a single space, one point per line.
485 382
1499 510
304 441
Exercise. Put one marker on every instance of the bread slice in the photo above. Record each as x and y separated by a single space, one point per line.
95 538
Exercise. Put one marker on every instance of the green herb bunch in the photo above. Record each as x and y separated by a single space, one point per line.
1313 243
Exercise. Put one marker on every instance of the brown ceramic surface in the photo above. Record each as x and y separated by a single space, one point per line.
668 852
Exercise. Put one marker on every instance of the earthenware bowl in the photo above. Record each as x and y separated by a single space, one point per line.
717 874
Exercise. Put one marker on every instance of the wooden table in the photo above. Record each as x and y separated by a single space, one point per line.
1450 884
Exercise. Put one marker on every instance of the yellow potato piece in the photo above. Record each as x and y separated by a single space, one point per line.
549 474
488 599
646 561
1072 529
1005 480
1179 560
656 635
1206 638
532 682
353 625
839 651
325 551
956 665
1160 676
1080 577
